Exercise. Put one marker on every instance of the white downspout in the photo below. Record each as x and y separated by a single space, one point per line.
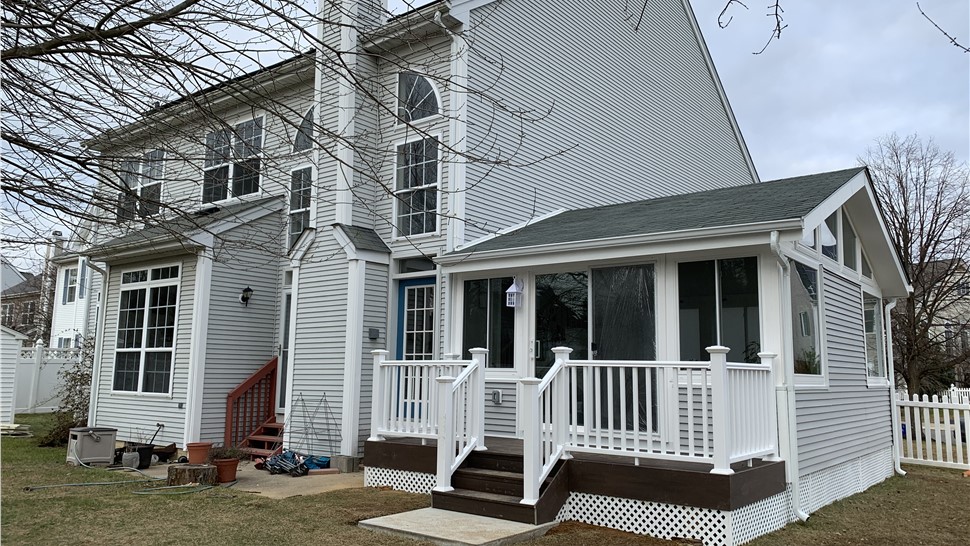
98 346
891 377
787 427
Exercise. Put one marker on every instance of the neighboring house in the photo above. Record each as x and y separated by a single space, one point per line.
952 319
9 275
25 307
74 302
630 226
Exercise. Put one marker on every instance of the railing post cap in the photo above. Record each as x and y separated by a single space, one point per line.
376 352
445 379
478 351
39 343
767 355
451 356
564 350
718 350
530 381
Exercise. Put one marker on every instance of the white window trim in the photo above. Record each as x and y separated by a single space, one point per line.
398 122
395 230
811 381
230 197
311 219
148 284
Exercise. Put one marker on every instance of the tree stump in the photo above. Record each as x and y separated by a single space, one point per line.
184 474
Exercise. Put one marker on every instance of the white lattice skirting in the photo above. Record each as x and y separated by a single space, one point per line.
824 487
402 480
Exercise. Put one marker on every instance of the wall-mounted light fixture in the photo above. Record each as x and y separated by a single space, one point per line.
244 298
513 296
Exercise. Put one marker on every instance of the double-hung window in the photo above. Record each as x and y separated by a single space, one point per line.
8 311
301 182
416 187
232 161
27 313
69 295
141 186
145 345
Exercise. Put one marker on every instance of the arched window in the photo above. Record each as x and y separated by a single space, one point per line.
304 135
416 98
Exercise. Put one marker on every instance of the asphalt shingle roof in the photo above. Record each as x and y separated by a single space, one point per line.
789 198
365 239
176 228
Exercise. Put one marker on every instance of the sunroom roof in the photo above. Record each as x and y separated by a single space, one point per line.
789 198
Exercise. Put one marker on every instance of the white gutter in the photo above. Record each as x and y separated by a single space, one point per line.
891 377
785 392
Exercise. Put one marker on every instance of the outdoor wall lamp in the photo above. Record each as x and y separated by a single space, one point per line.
513 296
247 293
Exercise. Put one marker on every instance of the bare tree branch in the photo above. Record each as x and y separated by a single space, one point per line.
953 40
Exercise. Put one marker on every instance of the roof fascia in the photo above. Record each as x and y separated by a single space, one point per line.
302 246
461 9
816 216
352 251
762 229
416 23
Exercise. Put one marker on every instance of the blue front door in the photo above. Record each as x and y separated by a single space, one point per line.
416 319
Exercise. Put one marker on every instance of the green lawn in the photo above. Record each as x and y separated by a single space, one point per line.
930 507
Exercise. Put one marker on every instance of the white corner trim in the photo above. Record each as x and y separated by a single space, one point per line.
291 356
353 346
197 347
459 144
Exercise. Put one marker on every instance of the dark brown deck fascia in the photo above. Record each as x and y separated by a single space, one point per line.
401 454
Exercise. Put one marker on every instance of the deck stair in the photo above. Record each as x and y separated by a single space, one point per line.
266 441
491 484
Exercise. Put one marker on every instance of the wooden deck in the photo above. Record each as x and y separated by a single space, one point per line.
680 483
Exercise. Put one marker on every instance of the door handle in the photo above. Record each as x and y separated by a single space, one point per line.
537 348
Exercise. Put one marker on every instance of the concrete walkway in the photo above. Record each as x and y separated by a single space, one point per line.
444 527
280 486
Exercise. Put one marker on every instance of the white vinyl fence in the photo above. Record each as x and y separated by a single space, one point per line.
37 380
933 430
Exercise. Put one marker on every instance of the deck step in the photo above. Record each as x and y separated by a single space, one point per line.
258 452
494 461
486 504
265 438
489 481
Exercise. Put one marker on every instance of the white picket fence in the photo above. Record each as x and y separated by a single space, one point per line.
933 429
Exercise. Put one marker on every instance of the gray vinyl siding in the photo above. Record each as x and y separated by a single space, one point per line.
848 419
316 402
375 316
240 339
135 415
500 418
603 113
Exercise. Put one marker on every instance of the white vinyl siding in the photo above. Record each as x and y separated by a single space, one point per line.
848 419
664 129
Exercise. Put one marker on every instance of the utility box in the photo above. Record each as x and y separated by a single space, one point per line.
92 446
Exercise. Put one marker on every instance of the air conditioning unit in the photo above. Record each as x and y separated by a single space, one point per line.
91 446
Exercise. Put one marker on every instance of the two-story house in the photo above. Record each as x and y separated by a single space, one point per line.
501 191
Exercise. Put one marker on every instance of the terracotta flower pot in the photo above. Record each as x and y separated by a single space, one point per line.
226 468
198 451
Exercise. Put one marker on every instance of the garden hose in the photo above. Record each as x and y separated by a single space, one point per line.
174 489
38 487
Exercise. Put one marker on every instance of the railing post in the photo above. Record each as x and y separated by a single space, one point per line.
531 440
720 407
560 403
377 396
446 431
478 392
768 359
35 376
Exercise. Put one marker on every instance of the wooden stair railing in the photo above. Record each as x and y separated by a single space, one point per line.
251 404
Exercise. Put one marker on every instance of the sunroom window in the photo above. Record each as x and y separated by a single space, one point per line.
232 161
872 317
719 306
416 184
144 349
830 236
849 246
416 97
806 344
488 322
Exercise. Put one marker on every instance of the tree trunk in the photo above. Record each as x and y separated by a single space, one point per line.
184 474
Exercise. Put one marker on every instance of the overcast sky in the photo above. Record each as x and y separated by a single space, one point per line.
844 73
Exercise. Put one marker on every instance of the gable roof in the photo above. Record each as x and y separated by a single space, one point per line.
364 238
181 229
787 199
31 285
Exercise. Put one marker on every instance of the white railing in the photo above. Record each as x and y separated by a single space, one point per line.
544 417
933 431
714 412
461 417
404 402
959 395
439 399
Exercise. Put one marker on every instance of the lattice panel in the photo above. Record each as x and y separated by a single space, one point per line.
648 518
827 486
762 517
402 480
